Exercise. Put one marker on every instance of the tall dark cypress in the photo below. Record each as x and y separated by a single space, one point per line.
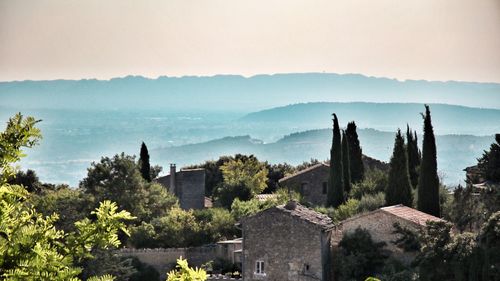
356 166
144 163
428 181
345 164
399 186
413 156
335 194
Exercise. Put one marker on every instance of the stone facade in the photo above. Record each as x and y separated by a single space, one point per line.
286 243
311 183
380 224
188 185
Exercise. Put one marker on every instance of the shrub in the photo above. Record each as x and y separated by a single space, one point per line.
370 202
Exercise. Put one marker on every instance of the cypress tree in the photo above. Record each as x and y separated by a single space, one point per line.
335 193
413 156
144 163
428 181
399 186
356 166
345 164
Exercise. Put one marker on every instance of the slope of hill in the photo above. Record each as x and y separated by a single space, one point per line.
237 93
446 118
455 152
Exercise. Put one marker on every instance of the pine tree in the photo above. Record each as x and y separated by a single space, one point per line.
413 156
335 194
428 181
144 163
399 186
345 164
357 168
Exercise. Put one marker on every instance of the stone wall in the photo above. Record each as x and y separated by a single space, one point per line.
380 226
164 259
290 248
311 184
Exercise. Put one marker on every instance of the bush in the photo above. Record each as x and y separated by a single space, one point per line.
342 212
370 202
375 181
359 256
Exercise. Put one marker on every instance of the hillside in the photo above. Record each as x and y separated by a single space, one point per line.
455 152
447 119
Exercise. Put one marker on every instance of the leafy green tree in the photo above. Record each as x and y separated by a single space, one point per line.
28 180
399 187
242 179
489 163
357 168
414 156
216 224
428 181
335 192
346 164
375 182
276 172
119 179
70 204
145 167
183 272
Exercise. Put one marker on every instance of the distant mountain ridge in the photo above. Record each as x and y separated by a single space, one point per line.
381 116
237 93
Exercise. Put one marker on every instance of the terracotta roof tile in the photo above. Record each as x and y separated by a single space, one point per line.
410 214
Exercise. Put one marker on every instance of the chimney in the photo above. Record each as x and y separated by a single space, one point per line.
172 178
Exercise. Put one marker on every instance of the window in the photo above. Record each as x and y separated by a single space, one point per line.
304 188
325 187
259 267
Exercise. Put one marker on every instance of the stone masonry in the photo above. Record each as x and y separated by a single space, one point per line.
188 185
287 242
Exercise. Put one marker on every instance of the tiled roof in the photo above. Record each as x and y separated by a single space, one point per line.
265 197
304 171
409 214
309 215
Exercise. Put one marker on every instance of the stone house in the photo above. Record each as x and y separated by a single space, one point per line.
188 185
311 183
380 224
287 242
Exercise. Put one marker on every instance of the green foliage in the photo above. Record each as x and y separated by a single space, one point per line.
466 210
428 181
489 163
20 132
240 209
408 239
399 186
346 164
357 168
119 179
107 262
185 273
143 271
414 156
371 202
70 204
276 172
144 165
216 224
375 181
342 212
359 256
28 180
242 179
31 247
335 194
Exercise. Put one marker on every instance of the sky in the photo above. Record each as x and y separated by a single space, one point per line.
420 39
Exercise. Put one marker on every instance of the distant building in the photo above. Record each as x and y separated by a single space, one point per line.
311 183
287 242
474 175
230 250
188 185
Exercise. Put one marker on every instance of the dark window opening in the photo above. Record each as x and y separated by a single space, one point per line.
325 187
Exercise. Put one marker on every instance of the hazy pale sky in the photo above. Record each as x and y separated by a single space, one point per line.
419 39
